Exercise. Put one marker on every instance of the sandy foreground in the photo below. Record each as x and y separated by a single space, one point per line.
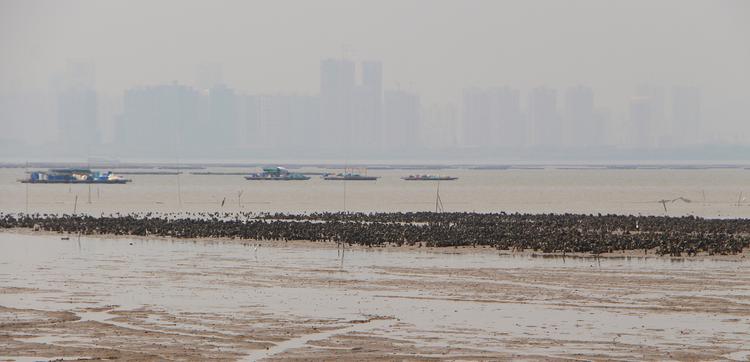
131 298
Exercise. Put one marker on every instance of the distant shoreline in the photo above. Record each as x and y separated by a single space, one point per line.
166 168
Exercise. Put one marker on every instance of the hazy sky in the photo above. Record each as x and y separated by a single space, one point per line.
435 48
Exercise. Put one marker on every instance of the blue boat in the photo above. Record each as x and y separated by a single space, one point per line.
74 176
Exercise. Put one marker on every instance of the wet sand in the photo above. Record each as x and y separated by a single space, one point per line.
146 299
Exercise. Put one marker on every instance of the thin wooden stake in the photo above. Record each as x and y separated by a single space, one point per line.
27 188
739 199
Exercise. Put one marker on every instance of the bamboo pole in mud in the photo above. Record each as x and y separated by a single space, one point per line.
343 249
179 192
345 195
89 168
438 201
27 188
739 199
437 196
75 204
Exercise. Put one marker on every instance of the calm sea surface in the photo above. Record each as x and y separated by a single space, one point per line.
711 192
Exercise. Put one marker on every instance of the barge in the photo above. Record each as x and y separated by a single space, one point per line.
74 176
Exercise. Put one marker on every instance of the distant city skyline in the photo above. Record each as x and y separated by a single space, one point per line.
385 79
354 113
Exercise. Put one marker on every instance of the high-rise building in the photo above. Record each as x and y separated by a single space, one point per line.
545 121
162 119
351 113
662 131
77 119
77 109
492 117
686 114
368 107
439 126
401 120
336 106
174 118
248 118
28 117
223 126
642 122
289 121
580 127
507 124
477 123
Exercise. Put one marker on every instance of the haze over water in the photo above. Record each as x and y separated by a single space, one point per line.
712 192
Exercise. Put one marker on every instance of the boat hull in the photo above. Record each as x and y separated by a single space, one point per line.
74 182
362 178
430 179
250 178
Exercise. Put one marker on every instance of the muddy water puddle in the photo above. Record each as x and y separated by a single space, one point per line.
178 300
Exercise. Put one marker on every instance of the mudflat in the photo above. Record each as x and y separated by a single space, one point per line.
160 299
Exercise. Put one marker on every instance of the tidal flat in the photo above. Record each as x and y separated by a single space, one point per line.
159 299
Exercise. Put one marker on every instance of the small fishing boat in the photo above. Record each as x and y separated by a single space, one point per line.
428 178
349 177
276 174
350 174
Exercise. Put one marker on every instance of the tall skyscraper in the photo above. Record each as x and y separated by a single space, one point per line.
477 123
288 122
507 124
492 117
661 129
439 126
580 126
30 117
336 108
686 114
77 109
545 121
368 107
401 120
642 122
223 126
163 120
249 121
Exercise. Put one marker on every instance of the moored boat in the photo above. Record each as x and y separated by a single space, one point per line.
350 174
428 178
276 174
349 177
74 176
